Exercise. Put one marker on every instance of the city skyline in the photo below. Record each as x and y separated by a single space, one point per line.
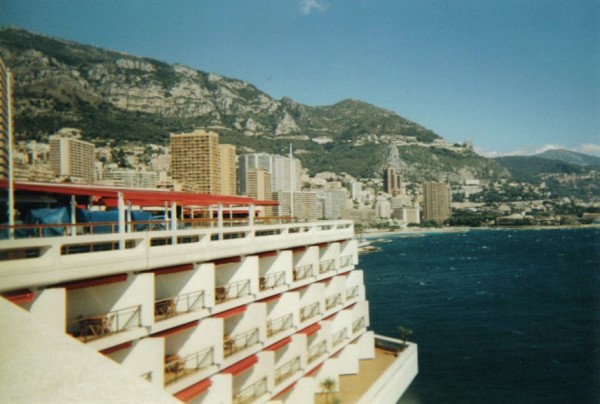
512 77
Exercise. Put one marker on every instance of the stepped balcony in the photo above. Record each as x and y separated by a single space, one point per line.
303 272
317 351
339 337
177 367
251 393
238 342
279 324
172 306
272 280
345 261
286 370
326 266
310 311
230 291
87 328
333 301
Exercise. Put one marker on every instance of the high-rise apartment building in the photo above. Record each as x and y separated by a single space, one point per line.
391 181
71 157
436 202
305 204
333 203
283 177
228 170
259 187
195 161
5 118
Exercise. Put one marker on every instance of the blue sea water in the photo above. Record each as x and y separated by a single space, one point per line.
500 316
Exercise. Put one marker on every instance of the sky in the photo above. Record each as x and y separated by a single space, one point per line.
512 76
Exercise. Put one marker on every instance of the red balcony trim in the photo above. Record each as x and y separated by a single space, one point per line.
299 249
194 390
231 313
351 306
311 329
322 245
267 254
241 366
90 282
314 370
20 296
285 391
229 260
330 317
270 299
177 329
341 241
172 269
279 344
116 348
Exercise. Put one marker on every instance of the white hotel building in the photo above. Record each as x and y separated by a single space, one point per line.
208 304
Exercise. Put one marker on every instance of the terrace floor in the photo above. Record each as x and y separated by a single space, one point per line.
352 387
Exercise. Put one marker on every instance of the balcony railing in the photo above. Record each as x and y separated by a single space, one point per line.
309 311
184 303
326 266
339 337
177 367
333 301
345 261
358 324
114 322
279 324
352 292
232 291
303 272
251 392
316 351
235 343
271 281
286 370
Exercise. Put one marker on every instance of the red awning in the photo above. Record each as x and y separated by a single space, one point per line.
20 296
279 344
88 283
173 269
142 197
270 299
116 348
311 329
313 370
285 391
228 260
241 366
267 254
322 245
298 249
177 329
231 313
194 390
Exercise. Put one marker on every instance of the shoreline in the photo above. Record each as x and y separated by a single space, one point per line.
368 234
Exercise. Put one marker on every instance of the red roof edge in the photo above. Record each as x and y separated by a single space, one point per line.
87 283
311 329
177 329
116 348
19 296
241 366
231 313
194 390
279 344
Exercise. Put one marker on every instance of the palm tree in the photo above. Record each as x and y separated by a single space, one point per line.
328 385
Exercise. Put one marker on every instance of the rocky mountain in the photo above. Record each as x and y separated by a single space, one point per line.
116 97
570 157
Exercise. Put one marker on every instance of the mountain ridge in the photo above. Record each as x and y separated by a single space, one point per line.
115 97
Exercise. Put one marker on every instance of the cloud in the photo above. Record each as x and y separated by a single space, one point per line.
307 6
590 148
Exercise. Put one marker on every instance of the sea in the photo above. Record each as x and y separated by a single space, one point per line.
499 316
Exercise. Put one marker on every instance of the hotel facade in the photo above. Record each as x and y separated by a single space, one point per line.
229 309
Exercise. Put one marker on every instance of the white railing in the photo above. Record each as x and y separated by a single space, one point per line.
177 368
333 301
184 303
232 291
345 261
352 292
326 266
251 392
238 342
287 369
309 311
113 322
279 324
316 351
339 337
303 272
271 281
358 324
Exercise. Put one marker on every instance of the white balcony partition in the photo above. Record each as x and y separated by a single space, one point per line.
145 358
49 307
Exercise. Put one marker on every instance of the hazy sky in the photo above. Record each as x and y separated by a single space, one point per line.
511 75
